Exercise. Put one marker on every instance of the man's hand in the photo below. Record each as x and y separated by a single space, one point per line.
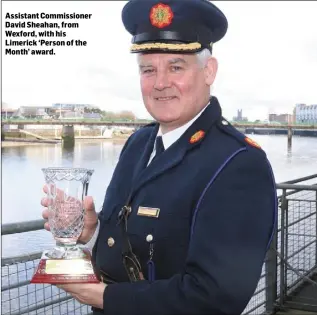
90 293
90 219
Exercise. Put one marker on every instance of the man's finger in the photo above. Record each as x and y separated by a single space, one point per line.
45 214
44 202
47 226
59 192
66 287
89 204
45 188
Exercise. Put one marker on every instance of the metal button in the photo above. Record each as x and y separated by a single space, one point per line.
110 241
149 238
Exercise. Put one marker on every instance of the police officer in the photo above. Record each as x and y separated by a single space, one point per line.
190 210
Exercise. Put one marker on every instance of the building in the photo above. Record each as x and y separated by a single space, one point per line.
239 116
306 114
7 113
282 118
72 107
79 115
39 112
65 110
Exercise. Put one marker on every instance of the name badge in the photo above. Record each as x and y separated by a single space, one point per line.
148 212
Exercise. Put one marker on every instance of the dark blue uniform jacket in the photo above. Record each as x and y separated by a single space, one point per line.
217 202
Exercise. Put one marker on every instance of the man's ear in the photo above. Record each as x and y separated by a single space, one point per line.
211 71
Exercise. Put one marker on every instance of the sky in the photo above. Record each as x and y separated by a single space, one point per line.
267 60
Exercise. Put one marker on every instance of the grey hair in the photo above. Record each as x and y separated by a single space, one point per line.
202 57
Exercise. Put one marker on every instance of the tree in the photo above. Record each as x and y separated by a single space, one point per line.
108 115
125 114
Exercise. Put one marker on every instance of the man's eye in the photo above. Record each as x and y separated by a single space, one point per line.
176 68
147 71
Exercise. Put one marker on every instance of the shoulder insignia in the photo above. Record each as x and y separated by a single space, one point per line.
252 142
197 136
161 15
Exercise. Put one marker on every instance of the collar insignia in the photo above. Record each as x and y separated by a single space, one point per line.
197 136
161 15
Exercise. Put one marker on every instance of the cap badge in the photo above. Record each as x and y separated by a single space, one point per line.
252 142
161 15
197 136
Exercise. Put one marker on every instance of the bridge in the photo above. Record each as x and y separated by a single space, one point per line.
136 124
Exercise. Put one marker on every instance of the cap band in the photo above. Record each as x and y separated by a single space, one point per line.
164 35
165 46
182 33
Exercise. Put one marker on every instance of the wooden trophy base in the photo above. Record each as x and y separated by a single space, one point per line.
63 271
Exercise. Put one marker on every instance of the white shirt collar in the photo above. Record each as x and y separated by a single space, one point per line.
172 136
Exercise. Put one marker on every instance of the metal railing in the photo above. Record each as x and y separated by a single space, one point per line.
289 271
19 296
288 277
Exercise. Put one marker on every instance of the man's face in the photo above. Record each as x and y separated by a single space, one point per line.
175 87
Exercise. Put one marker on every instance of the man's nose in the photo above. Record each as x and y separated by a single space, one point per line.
162 80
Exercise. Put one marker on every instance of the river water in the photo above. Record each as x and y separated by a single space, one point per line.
22 178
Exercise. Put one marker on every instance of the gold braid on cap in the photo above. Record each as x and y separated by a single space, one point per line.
191 46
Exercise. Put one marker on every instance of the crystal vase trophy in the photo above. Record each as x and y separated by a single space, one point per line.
67 262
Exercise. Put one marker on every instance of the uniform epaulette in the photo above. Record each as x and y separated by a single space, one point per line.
242 138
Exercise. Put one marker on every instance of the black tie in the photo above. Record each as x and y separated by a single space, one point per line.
159 147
